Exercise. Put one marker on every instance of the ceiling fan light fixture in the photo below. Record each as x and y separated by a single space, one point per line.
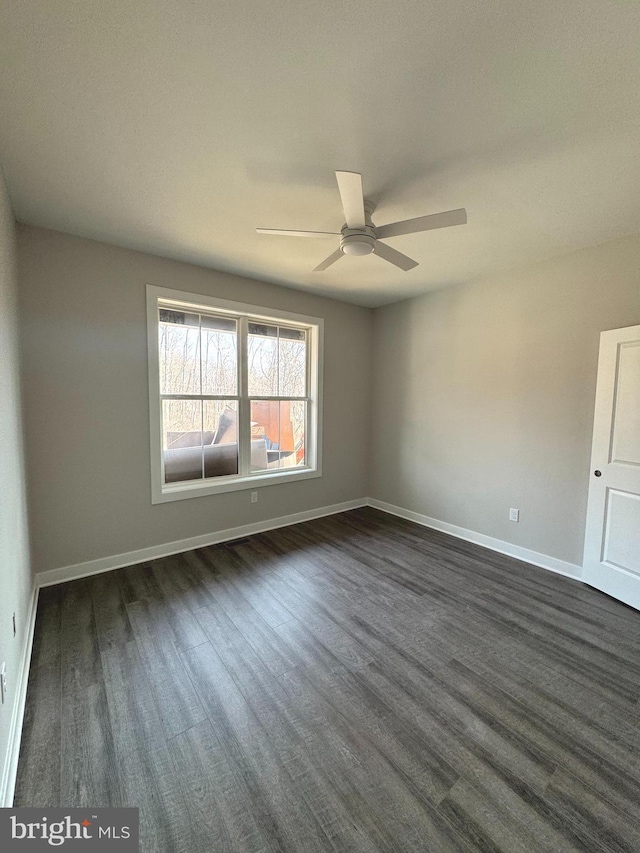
359 236
357 244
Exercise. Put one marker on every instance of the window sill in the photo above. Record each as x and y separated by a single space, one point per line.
184 491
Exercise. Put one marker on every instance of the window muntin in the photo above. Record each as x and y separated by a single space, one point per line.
238 397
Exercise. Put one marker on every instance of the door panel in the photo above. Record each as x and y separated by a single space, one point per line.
612 539
621 527
626 428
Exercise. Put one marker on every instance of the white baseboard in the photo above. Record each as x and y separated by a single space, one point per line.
154 552
10 769
560 567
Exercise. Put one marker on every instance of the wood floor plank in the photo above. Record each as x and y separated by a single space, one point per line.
296 743
351 653
137 583
293 827
47 633
582 748
174 605
583 639
428 772
221 809
598 823
501 784
220 573
308 648
322 559
187 573
112 620
483 729
389 806
581 698
260 636
354 683
331 762
530 652
40 763
87 747
146 774
177 702
478 818
241 572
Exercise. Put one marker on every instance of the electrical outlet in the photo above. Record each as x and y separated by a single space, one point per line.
3 683
14 624
254 497
514 514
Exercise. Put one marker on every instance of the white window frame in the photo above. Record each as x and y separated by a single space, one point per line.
180 300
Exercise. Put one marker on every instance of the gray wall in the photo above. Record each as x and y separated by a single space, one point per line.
15 574
483 396
86 401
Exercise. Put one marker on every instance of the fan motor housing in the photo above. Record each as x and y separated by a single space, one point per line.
356 242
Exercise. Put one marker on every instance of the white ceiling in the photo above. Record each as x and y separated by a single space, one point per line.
178 127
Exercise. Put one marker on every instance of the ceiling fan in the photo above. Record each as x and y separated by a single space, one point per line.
359 236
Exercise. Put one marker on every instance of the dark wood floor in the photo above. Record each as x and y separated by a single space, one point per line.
356 683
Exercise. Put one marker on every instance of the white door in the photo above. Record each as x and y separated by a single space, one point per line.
612 543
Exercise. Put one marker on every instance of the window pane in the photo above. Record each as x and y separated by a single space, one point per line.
292 334
277 361
179 352
292 363
265 330
179 318
262 360
197 433
219 342
277 434
182 440
220 420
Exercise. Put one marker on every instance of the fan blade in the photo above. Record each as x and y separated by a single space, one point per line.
298 233
423 223
328 261
393 256
350 186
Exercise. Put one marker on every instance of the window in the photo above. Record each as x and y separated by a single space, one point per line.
234 395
